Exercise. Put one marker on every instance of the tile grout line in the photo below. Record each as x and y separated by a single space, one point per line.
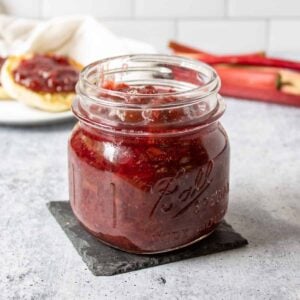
197 19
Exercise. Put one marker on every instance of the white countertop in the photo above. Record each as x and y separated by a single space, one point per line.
37 261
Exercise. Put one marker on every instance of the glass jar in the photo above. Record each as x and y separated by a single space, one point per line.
149 159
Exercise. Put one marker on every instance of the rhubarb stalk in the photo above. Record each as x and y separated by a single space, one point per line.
268 79
246 60
260 94
184 50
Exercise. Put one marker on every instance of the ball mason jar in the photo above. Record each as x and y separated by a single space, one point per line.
148 158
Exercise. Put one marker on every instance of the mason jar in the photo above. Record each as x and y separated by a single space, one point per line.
149 158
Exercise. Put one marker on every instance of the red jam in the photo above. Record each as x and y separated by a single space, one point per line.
151 193
47 73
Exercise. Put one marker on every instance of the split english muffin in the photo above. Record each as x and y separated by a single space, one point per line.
43 81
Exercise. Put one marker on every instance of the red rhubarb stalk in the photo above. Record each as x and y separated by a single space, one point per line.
268 79
259 94
184 50
247 60
178 47
247 83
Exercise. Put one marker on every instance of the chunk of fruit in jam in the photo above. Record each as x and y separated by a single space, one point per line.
141 95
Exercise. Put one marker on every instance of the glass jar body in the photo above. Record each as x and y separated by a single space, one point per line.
149 194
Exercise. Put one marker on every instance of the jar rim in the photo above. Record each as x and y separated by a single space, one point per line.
194 94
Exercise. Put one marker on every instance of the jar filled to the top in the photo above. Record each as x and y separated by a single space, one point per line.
148 159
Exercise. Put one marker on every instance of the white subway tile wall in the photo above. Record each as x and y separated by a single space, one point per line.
157 33
179 9
264 8
284 35
97 8
224 36
26 8
221 26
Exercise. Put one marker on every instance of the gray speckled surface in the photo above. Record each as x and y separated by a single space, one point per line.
37 261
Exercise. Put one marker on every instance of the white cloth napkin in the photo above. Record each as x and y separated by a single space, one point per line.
81 37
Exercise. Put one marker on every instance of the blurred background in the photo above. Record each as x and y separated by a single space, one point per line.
214 25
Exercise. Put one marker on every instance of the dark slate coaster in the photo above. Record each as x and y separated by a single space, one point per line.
103 260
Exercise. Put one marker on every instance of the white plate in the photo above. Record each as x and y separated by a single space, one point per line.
15 113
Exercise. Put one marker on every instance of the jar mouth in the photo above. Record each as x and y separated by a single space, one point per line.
191 80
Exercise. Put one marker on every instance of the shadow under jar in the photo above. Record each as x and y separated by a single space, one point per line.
148 159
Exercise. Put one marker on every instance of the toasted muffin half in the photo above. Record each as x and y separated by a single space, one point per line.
52 102
3 94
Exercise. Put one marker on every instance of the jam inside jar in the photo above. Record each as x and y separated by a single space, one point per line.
149 159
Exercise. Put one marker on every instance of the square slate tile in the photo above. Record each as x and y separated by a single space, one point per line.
103 260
